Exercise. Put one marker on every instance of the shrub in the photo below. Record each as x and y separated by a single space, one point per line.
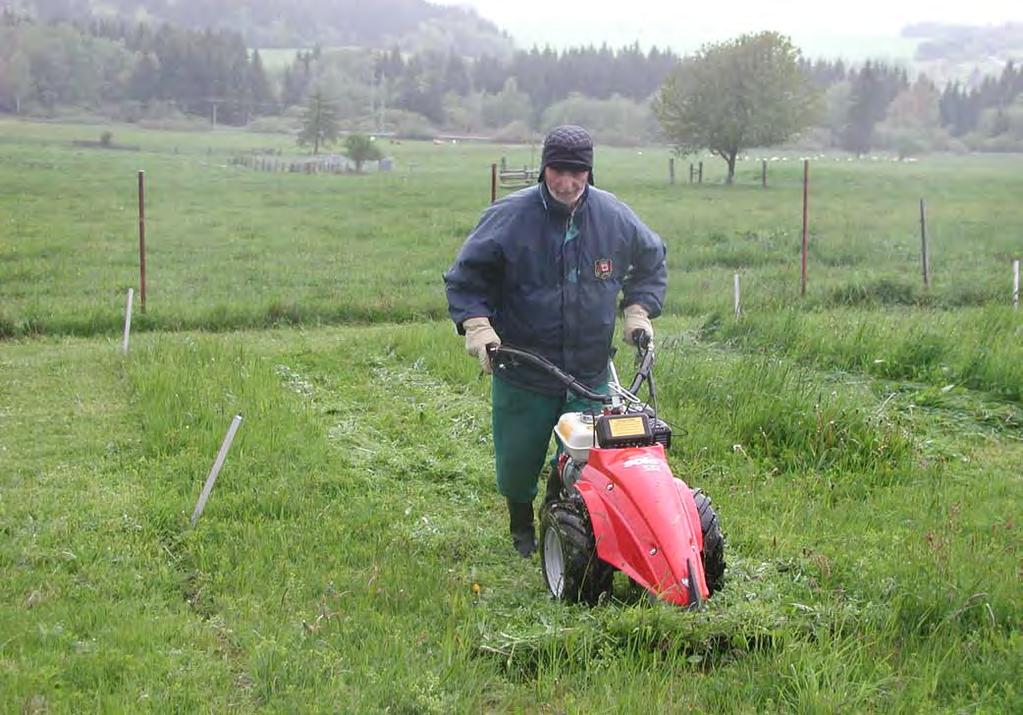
517 132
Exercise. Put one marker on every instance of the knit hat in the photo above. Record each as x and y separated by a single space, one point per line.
570 146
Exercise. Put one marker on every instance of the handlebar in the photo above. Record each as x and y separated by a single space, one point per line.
501 355
497 352
642 340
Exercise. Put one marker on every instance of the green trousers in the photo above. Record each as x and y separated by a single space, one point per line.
522 423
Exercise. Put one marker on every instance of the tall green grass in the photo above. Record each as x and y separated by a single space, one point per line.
777 413
976 349
354 553
860 446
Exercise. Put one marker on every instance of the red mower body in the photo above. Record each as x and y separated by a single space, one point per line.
645 521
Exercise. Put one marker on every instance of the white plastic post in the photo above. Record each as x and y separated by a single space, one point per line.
738 308
212 478
127 320
1015 284
925 255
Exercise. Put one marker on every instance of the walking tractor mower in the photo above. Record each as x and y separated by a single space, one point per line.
612 502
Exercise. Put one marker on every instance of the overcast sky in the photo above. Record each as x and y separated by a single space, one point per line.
682 25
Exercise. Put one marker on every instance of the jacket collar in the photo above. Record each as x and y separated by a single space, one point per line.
552 205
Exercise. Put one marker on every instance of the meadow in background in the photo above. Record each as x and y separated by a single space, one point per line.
862 445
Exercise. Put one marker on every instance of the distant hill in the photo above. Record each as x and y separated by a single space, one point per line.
964 52
965 42
295 23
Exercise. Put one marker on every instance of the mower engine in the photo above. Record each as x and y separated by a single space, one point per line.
581 431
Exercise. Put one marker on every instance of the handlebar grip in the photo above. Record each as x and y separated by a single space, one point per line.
641 338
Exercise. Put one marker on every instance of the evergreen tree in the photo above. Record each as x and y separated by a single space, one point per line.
872 90
260 92
144 83
456 76
319 122
390 65
488 74
297 79
421 87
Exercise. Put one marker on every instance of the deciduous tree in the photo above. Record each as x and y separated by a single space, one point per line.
734 95
360 149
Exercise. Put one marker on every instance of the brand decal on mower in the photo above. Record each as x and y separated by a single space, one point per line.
649 464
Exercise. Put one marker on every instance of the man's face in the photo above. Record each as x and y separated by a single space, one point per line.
566 183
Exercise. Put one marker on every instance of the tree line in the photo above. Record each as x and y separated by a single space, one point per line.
994 105
281 23
131 69
137 70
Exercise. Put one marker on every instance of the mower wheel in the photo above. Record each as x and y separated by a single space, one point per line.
568 554
713 542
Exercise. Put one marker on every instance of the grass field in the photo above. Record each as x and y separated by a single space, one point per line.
862 446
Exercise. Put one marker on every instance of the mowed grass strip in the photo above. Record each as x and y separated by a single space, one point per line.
91 609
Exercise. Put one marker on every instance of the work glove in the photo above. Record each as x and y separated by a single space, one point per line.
478 335
636 318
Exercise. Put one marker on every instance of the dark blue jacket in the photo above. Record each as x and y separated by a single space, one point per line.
549 279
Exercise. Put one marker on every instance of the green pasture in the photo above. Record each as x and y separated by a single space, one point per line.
862 445
229 247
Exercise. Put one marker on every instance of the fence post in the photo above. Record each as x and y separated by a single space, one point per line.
493 183
142 240
671 169
763 173
691 172
701 173
1015 284
217 464
127 320
806 235
925 255
738 308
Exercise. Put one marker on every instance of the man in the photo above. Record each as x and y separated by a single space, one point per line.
542 270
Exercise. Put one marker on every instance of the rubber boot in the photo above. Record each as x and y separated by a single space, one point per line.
521 524
554 485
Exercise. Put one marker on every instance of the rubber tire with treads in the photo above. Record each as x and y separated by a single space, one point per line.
713 554
568 553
